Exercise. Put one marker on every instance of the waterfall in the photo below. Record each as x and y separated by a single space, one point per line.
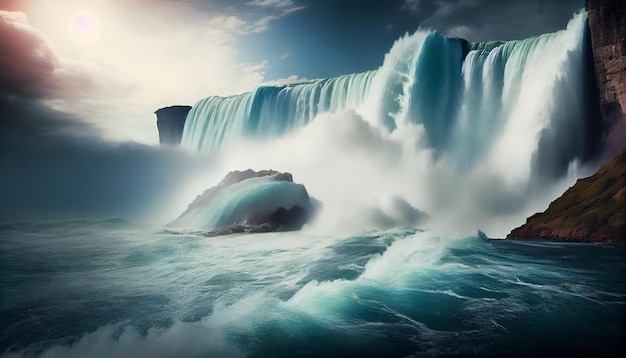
215 122
495 96
477 135
494 102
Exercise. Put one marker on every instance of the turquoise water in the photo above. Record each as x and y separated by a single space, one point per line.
477 136
112 288
527 96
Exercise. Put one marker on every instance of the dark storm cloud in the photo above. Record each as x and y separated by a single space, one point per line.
32 73
30 69
373 13
28 65
486 20
353 36
329 38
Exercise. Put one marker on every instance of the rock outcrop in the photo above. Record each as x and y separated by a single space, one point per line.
593 210
249 201
607 26
171 122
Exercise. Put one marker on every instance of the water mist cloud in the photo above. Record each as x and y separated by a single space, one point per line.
367 178
116 80
484 155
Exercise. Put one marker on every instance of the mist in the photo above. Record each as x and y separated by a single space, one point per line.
367 179
53 165
432 138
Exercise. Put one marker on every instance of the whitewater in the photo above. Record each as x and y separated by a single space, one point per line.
478 134
110 288
466 136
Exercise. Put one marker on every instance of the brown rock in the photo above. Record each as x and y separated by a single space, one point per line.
607 26
593 210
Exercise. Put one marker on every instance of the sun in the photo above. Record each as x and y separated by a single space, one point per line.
84 27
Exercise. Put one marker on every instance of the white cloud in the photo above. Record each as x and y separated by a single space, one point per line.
229 23
446 8
284 56
411 5
278 4
144 60
458 31
293 79
279 9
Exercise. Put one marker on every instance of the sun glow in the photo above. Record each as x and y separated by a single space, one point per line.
84 27
121 48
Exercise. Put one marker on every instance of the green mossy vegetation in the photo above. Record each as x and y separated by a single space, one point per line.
596 204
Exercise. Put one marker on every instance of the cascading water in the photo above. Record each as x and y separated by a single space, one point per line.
215 122
468 100
476 131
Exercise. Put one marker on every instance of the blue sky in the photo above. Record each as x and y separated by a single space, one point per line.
324 38
331 37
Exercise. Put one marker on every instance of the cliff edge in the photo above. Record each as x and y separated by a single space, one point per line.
171 122
593 210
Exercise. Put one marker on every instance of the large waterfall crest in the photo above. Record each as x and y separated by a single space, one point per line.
465 96
215 122
473 131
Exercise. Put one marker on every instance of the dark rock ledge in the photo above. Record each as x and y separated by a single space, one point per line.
593 210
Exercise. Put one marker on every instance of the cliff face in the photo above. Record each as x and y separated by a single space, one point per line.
171 122
593 210
607 26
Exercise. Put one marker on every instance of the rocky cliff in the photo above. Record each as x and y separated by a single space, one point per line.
593 210
607 26
171 122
